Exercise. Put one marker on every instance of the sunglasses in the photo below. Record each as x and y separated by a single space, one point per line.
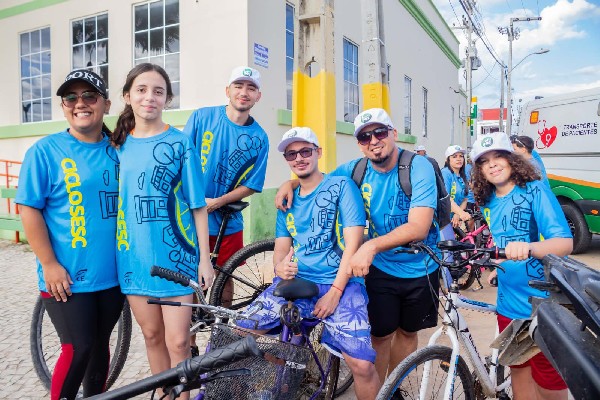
304 152
380 133
89 98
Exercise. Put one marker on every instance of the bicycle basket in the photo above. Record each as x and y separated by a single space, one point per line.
283 381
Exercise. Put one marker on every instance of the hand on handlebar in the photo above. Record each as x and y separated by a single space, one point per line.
286 268
518 251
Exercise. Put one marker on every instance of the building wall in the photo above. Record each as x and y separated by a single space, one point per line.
217 36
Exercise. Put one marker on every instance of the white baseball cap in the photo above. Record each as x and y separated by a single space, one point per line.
245 74
298 134
420 148
453 150
371 117
492 141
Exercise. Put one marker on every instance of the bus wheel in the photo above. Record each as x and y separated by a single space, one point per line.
581 234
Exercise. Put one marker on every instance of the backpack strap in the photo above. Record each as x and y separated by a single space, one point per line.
359 171
404 166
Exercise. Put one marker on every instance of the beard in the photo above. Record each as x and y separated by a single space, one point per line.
379 160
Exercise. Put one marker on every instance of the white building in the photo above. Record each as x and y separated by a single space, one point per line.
199 42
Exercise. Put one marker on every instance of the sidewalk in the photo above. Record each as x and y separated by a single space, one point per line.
18 283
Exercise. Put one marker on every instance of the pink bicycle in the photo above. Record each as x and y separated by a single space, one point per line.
480 236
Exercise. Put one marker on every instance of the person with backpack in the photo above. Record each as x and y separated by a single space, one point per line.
456 182
399 286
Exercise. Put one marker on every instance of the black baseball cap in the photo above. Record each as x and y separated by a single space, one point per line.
83 75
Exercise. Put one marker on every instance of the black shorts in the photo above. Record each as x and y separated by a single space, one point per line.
407 303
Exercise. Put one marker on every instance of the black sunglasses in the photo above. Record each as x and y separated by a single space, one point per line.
89 98
304 152
380 133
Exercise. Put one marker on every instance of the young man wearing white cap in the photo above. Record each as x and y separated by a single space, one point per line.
308 245
421 150
398 285
233 148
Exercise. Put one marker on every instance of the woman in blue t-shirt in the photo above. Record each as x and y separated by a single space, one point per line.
162 216
67 188
520 210
456 183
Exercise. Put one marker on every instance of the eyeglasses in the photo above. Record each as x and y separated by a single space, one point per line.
89 98
304 152
380 133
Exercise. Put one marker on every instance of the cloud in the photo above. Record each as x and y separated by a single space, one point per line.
561 88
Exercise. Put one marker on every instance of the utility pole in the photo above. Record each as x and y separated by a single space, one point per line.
313 98
501 118
374 63
513 34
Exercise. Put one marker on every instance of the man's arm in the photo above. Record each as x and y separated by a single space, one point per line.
416 228
327 304
236 194
283 254
285 194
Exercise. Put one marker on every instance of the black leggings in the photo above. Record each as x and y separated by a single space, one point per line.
84 324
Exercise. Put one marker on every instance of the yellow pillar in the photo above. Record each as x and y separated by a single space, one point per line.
313 98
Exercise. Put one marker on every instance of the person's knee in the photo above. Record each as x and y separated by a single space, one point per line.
153 336
405 334
361 369
178 343
381 340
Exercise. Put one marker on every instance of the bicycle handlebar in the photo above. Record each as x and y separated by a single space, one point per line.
188 370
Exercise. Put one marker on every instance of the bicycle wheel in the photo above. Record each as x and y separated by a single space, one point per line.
502 375
45 345
344 380
250 270
312 377
404 381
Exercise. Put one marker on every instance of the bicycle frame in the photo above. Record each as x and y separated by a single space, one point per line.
455 327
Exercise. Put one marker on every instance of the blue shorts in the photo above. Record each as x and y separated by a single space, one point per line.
346 330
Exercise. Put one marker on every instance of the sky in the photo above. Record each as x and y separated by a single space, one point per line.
570 29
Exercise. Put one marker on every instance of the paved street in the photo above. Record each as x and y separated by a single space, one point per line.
18 285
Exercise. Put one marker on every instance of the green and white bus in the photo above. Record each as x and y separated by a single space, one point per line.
566 131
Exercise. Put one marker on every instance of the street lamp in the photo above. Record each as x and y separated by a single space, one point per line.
508 89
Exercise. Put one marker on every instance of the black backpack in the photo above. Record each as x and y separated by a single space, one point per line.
404 165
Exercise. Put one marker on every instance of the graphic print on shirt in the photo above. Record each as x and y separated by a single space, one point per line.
172 207
522 221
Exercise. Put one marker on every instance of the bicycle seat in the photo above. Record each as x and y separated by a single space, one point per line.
454 245
294 289
234 207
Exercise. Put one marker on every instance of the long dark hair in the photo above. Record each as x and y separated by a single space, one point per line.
522 171
462 172
126 121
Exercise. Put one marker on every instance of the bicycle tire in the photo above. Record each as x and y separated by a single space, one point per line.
44 344
405 380
256 262
312 376
345 379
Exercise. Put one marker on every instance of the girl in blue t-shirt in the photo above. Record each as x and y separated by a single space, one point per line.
67 189
162 217
520 209
456 183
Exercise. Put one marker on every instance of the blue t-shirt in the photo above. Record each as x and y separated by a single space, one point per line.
536 160
455 185
523 215
470 196
232 155
161 183
75 186
315 223
387 208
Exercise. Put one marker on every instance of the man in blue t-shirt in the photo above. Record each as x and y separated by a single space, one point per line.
399 286
315 239
233 149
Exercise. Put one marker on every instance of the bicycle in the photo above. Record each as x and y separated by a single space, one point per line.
480 236
565 326
425 373
313 370
45 347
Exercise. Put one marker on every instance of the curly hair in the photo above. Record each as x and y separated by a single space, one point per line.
522 171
